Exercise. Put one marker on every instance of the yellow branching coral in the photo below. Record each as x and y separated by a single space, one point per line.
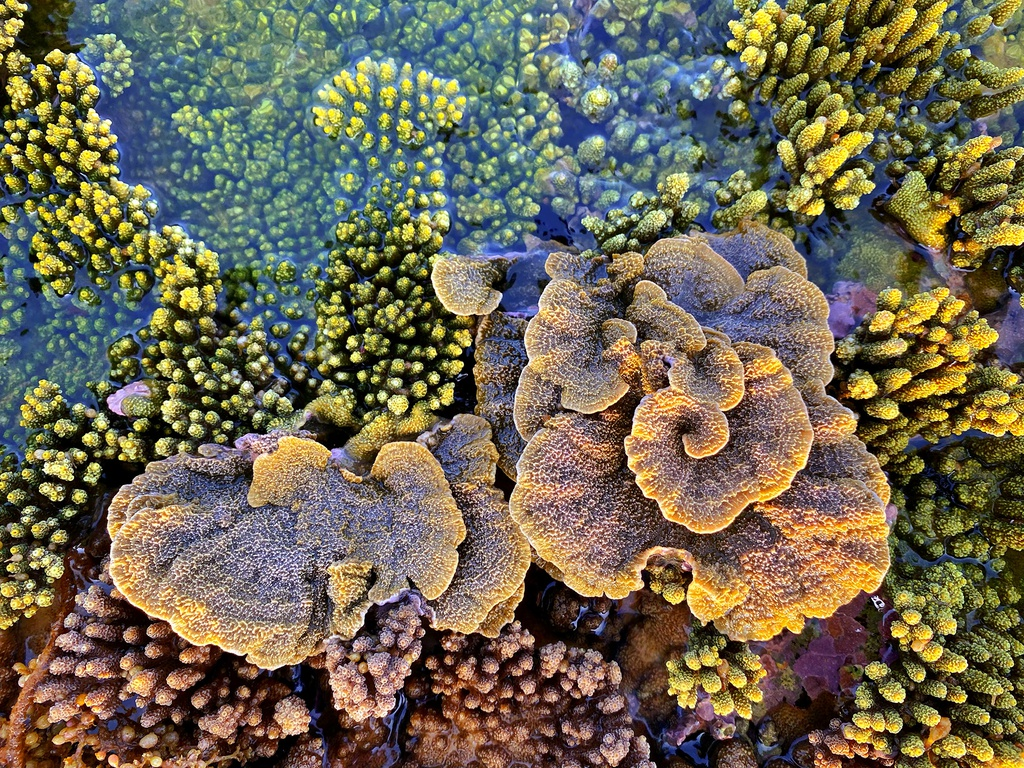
967 200
721 355
296 554
389 118
916 367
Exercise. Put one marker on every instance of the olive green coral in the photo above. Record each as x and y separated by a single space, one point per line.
711 665
917 366
45 494
948 692
386 352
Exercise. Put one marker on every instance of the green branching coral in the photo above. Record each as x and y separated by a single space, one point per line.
647 218
204 382
391 121
386 351
58 161
949 693
967 199
837 73
915 367
727 672
112 60
45 493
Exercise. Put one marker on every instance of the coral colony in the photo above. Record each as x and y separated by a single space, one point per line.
496 383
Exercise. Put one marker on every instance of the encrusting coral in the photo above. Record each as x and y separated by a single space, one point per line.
917 366
598 492
340 542
117 687
514 703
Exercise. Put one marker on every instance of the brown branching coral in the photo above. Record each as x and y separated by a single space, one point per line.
917 366
118 687
599 491
366 673
506 702
298 552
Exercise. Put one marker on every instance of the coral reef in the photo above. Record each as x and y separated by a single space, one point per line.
356 533
711 665
596 500
917 366
946 689
517 703
386 352
119 688
46 493
112 60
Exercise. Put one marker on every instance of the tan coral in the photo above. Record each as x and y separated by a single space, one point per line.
495 555
757 482
465 284
272 582
726 462
499 360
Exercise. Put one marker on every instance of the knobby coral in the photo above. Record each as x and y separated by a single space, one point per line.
917 366
511 702
117 687
706 355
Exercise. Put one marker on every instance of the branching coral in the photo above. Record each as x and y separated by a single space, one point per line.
119 688
712 665
58 161
947 691
518 704
604 350
312 546
112 60
967 199
366 673
838 72
45 493
386 351
917 366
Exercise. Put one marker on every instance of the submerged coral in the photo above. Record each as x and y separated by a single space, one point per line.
617 362
917 366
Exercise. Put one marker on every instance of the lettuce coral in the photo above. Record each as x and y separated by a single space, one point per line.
327 571
616 336
918 366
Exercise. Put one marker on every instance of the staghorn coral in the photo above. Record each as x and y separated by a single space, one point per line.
366 674
45 494
578 500
386 352
946 689
647 218
712 666
58 162
917 366
206 381
115 687
312 545
967 200
508 702
391 120
838 75
112 60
